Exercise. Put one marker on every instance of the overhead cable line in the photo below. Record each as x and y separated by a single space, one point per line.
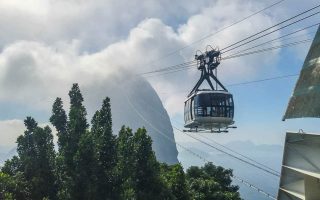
270 41
174 67
233 151
261 36
173 71
254 81
257 189
263 80
273 26
243 54
229 154
170 67
267 49
214 33
191 63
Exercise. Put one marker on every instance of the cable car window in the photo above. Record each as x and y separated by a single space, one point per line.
187 110
189 106
213 105
192 108
184 111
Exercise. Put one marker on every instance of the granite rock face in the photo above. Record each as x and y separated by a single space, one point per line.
135 103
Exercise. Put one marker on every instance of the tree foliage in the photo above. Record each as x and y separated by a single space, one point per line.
211 182
93 163
175 179
35 162
14 186
106 152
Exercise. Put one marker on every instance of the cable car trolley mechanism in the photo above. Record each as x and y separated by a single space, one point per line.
209 109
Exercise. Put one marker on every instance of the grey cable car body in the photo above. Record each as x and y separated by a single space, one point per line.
209 109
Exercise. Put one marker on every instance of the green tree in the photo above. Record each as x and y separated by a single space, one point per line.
106 152
148 183
71 133
59 121
175 180
126 163
76 126
221 175
63 176
12 166
85 180
35 160
211 182
14 187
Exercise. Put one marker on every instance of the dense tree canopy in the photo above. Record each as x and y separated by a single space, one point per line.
35 162
211 182
93 163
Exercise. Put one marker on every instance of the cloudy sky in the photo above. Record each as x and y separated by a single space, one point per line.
47 45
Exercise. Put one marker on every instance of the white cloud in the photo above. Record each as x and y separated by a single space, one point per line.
39 72
10 130
96 23
48 70
48 45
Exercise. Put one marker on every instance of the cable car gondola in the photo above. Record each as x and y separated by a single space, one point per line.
209 109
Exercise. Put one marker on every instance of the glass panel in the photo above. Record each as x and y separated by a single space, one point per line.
213 105
187 111
185 117
192 109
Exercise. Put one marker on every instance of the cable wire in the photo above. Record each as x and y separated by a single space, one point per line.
254 81
245 54
173 71
220 30
263 80
233 151
231 155
170 67
191 63
270 41
271 32
306 11
267 49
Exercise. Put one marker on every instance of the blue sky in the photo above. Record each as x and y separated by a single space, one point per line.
45 46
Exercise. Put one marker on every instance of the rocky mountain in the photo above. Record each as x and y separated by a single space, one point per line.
135 103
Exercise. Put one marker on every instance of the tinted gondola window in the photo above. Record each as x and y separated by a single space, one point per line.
187 111
192 108
213 105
